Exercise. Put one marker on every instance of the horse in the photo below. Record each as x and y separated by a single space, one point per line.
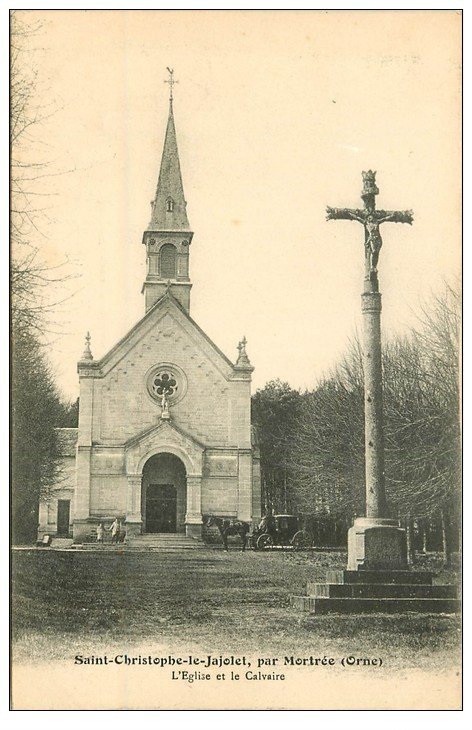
230 526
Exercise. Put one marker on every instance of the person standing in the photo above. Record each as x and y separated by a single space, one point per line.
115 530
121 532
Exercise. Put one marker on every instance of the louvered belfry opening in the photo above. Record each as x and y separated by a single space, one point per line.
167 261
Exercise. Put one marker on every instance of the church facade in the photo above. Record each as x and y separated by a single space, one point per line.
164 433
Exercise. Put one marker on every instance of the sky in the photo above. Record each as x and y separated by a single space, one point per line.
277 113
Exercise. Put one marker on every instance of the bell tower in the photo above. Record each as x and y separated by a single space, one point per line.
168 235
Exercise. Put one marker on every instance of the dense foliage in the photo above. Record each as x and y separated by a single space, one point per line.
36 409
275 411
312 443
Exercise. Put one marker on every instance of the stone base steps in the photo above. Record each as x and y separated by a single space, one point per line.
406 577
175 540
98 546
124 548
377 591
321 606
168 542
61 543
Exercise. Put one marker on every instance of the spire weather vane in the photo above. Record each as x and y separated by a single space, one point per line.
171 81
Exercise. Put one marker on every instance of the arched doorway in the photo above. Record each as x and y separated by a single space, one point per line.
164 494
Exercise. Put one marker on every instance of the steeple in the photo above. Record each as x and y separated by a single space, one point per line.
169 205
168 235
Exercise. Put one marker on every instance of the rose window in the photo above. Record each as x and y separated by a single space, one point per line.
162 382
166 379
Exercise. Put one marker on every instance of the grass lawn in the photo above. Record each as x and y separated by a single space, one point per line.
85 602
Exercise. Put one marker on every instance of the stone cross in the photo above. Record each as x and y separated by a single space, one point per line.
371 219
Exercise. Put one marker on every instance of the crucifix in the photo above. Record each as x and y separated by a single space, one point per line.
389 541
371 219
171 81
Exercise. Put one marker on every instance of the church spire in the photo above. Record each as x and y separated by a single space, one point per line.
168 235
169 204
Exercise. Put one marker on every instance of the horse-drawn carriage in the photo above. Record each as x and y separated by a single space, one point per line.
281 530
273 530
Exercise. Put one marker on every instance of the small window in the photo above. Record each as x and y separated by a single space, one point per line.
170 205
167 261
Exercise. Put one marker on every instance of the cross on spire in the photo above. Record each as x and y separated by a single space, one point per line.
171 81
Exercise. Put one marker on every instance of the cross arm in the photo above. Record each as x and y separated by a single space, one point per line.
394 216
346 214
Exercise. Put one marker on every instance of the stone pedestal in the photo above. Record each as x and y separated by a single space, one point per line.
81 529
133 528
376 543
194 530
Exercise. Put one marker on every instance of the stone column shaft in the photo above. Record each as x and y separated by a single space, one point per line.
373 406
133 521
84 444
193 518
133 498
244 487
194 499
374 541
83 483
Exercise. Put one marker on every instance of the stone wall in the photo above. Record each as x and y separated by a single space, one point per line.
63 489
120 424
213 409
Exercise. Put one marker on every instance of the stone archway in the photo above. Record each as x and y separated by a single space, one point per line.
164 438
164 494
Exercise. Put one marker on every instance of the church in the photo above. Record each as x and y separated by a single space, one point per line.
164 434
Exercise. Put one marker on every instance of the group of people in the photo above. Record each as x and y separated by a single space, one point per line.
118 534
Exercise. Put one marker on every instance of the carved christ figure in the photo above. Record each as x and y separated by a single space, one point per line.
164 404
371 219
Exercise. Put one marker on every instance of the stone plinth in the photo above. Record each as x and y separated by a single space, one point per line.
194 530
322 606
133 527
376 543
81 529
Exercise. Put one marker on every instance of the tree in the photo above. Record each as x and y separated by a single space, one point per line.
36 408
275 410
326 453
35 283
69 417
421 426
36 404
422 415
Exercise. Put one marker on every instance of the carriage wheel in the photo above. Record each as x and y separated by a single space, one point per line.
301 540
264 541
